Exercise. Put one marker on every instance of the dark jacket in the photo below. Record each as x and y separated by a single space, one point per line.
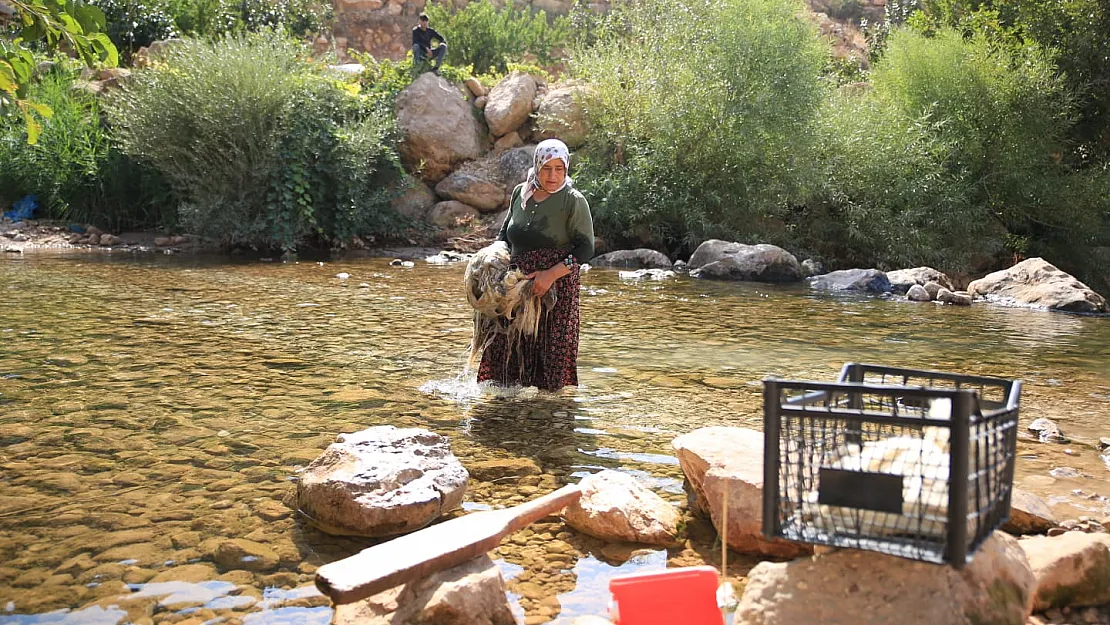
424 36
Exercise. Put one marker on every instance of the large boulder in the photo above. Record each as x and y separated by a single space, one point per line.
438 129
1035 282
614 506
902 279
633 259
1072 569
477 184
852 280
381 481
415 201
849 587
562 115
725 260
509 104
472 592
716 459
1029 514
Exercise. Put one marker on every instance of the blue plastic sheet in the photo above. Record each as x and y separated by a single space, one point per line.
23 209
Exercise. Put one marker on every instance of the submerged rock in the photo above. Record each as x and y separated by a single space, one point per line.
1035 282
381 481
864 588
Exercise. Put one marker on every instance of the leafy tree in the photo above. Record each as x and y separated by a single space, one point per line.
489 39
70 25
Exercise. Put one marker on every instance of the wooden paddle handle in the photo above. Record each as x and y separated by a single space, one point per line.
527 513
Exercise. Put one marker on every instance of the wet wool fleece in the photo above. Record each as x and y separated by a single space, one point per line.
502 299
549 359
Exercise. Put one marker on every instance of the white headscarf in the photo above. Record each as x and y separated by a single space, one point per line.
547 150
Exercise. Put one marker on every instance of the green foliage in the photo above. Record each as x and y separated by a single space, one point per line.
1006 114
1074 31
381 80
214 18
51 24
261 147
886 198
488 39
74 168
132 24
701 132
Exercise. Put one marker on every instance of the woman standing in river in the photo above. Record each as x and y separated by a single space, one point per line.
550 233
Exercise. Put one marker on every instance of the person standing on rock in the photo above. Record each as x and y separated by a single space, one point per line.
550 233
422 36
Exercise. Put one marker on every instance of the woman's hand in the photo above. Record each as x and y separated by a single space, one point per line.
543 280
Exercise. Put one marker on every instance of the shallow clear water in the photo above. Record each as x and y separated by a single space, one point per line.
151 405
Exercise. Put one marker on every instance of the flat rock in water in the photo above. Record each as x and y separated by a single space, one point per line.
1035 282
633 259
381 481
852 280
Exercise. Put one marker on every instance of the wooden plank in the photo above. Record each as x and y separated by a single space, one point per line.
435 548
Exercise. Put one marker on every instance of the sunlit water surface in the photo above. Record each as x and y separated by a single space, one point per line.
153 406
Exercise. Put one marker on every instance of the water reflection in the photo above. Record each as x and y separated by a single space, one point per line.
155 407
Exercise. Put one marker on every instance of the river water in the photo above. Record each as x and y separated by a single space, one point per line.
153 406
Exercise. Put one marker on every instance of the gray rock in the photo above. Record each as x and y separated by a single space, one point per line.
1034 282
1047 431
854 280
415 202
917 293
902 279
381 481
514 165
633 259
933 288
812 267
724 260
451 213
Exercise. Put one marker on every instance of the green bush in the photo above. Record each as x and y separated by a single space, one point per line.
488 39
1006 114
886 198
704 131
262 149
74 169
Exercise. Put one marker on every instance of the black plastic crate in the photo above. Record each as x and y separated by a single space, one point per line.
917 464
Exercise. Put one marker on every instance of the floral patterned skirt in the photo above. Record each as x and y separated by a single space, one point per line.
549 361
